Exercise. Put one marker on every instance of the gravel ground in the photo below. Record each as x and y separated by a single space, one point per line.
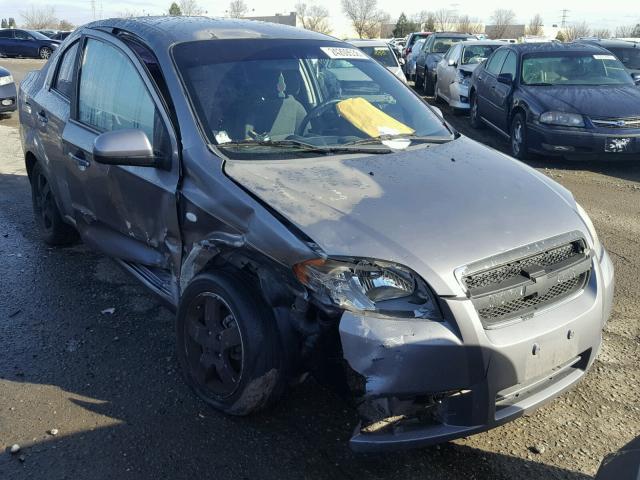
108 382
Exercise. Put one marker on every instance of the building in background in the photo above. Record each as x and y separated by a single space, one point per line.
290 19
505 31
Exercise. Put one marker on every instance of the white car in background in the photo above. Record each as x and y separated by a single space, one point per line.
380 51
453 73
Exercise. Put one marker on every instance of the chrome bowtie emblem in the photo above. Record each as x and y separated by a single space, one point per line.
620 123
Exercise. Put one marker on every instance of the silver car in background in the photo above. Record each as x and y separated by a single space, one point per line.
410 66
381 52
455 69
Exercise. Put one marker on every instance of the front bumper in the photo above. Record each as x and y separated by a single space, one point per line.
426 382
574 142
8 98
459 96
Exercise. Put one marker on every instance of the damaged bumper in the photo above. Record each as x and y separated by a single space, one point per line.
426 382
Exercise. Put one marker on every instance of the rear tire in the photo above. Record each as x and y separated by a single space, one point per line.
228 345
45 53
53 229
429 86
474 115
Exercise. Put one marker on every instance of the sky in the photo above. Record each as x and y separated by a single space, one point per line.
598 14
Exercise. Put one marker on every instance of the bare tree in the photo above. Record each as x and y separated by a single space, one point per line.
467 24
576 30
237 9
425 20
37 18
313 17
445 20
365 17
502 20
65 25
624 31
190 8
602 33
535 27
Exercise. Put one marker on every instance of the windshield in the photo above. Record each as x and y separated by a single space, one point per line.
251 94
442 44
417 36
477 53
39 36
382 54
630 57
574 69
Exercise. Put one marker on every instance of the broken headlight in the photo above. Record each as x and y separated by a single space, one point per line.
364 285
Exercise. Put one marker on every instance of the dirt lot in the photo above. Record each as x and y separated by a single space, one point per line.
108 382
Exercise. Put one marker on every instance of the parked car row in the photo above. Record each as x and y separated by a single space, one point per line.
26 43
303 211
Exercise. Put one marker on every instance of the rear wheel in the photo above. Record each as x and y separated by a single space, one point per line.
45 53
429 86
474 115
519 147
228 345
53 229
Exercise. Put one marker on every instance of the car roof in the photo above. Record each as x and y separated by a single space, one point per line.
482 42
550 47
452 35
368 43
608 42
163 31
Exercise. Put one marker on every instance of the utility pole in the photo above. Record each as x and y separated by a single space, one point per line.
93 9
565 14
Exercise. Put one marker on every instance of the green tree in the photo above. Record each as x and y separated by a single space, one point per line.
174 10
560 36
4 23
404 26
12 22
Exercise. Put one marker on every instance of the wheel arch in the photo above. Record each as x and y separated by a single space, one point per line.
30 161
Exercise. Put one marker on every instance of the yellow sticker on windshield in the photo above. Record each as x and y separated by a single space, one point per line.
371 120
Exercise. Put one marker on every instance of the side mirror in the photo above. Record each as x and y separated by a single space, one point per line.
636 78
452 63
124 147
505 78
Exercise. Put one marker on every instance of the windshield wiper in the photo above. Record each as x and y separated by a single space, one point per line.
307 147
413 138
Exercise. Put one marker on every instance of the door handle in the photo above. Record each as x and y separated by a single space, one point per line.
82 163
42 117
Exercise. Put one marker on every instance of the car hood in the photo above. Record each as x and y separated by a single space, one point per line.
593 101
433 209
469 67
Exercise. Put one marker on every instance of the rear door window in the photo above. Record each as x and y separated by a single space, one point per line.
510 65
6 33
64 80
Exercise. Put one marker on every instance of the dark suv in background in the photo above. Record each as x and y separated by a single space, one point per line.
432 52
26 43
627 52
563 99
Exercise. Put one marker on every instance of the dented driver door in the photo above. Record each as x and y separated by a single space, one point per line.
128 212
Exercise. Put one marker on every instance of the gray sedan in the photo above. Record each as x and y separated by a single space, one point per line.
7 91
303 211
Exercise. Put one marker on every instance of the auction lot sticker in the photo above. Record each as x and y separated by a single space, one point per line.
340 53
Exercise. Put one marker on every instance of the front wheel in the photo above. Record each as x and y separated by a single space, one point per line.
45 53
228 345
519 146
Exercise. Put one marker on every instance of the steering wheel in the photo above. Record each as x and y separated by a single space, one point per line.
316 112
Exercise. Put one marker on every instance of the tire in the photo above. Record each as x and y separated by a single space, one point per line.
45 53
429 86
233 360
437 97
419 85
518 139
474 116
53 229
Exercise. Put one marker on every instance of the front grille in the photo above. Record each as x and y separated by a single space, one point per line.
628 123
559 290
512 269
502 291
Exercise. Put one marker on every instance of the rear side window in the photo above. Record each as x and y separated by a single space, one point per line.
496 61
112 95
6 33
23 35
510 65
64 80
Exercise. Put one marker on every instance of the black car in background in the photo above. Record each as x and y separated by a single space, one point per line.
7 91
564 99
61 36
627 52
26 43
432 52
